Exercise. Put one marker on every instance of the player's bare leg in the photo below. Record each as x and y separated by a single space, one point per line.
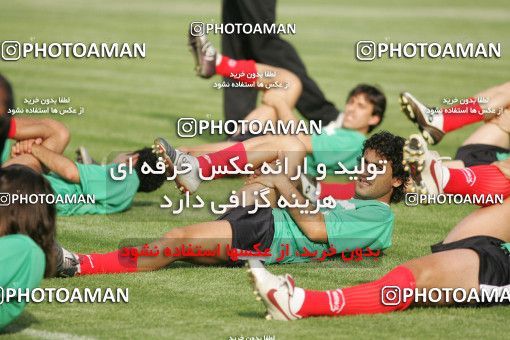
255 151
446 268
262 113
486 105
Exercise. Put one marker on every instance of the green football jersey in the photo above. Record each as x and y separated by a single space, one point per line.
333 146
111 196
351 224
22 265
6 152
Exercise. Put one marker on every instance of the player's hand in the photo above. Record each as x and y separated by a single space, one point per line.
24 147
504 167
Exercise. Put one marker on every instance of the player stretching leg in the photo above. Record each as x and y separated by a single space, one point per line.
365 221
430 176
474 255
435 125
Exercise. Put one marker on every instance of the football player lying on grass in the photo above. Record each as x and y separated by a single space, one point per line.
74 179
431 177
27 237
365 221
474 257
51 133
489 143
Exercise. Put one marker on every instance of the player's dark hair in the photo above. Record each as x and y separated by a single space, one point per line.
149 182
389 146
6 86
34 220
375 96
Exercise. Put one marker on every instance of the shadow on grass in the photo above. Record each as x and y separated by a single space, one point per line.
24 321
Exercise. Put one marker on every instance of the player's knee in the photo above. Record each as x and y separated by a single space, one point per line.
423 275
177 234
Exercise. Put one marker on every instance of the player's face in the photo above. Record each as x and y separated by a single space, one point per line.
382 185
358 113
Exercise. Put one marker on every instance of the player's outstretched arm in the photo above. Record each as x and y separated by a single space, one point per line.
59 164
312 225
54 135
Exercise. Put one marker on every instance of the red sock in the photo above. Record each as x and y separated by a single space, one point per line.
362 299
471 113
339 191
108 263
227 66
222 158
479 180
12 128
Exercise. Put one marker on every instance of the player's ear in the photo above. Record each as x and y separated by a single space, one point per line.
374 120
396 182
134 157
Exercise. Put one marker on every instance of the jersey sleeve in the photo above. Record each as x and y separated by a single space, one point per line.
22 265
367 226
341 145
112 195
5 126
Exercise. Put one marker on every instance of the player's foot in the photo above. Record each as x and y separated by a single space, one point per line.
67 262
423 165
308 187
204 54
274 291
427 119
176 160
83 156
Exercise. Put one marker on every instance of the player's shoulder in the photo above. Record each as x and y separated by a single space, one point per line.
21 244
370 206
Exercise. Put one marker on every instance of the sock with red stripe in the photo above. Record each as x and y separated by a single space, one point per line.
12 128
479 180
109 263
228 66
222 159
339 191
469 113
362 299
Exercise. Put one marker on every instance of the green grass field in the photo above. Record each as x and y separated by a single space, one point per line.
128 102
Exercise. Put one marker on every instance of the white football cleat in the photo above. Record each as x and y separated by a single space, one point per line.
176 160
428 120
423 165
274 291
309 188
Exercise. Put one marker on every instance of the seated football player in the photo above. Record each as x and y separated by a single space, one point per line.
364 221
340 141
474 256
27 237
112 188
489 143
430 176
